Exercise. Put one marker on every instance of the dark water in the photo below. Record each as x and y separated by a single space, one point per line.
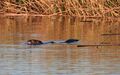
59 59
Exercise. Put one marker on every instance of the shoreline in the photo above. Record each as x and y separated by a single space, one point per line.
27 14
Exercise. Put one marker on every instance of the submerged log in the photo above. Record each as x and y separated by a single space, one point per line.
109 34
99 45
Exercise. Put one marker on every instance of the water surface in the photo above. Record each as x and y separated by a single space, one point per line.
59 59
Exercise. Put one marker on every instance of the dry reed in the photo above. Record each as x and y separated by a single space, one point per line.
86 8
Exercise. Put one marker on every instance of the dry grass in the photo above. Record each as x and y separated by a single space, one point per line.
94 8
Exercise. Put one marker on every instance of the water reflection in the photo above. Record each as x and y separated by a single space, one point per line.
58 59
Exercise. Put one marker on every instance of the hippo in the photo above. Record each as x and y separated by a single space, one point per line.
39 42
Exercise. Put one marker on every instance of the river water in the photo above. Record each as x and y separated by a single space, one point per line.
17 58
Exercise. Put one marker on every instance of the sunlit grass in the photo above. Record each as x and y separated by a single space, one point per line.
94 8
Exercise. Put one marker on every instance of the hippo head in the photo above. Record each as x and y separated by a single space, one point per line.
34 42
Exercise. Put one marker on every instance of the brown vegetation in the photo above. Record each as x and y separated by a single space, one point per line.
94 8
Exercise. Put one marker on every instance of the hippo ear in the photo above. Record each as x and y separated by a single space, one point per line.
40 42
29 40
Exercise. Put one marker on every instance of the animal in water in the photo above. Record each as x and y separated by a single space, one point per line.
37 42
68 41
71 41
